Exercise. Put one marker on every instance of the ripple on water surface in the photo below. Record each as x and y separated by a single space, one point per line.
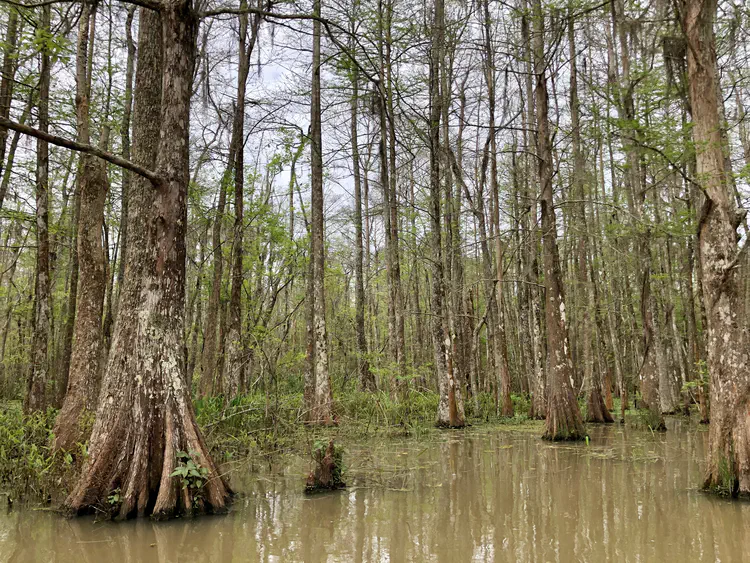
482 495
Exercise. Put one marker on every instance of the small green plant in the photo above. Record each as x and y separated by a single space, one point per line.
115 497
190 472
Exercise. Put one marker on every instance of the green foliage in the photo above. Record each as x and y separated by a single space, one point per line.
702 376
58 46
29 468
189 470
115 498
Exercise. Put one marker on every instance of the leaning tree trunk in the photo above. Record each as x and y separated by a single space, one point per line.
728 468
563 420
145 420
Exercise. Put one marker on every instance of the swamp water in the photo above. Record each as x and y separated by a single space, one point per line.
481 495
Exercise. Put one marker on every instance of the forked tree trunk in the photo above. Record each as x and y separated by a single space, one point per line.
563 420
145 417
728 461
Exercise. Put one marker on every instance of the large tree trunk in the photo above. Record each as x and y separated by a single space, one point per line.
563 420
36 395
83 377
145 417
728 461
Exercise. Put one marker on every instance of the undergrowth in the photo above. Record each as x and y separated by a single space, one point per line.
29 469
251 429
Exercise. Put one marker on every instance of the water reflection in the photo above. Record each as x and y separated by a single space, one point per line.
479 496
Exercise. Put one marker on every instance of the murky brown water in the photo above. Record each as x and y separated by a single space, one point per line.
479 496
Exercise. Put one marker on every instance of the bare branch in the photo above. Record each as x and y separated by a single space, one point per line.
80 147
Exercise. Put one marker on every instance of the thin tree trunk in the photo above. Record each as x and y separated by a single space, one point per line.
36 395
596 409
323 393
234 364
125 142
563 420
450 404
83 379
7 81
366 377
505 404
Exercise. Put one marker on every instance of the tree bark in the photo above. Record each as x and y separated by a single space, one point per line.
36 395
322 412
145 416
83 377
450 404
728 457
563 420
